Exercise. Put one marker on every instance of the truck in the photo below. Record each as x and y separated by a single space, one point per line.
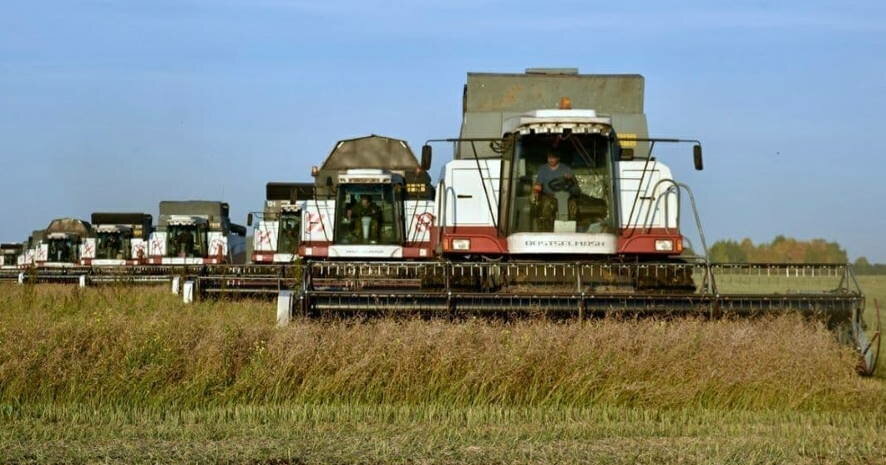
196 232
119 239
374 200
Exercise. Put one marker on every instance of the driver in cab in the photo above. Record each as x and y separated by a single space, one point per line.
367 216
552 171
552 178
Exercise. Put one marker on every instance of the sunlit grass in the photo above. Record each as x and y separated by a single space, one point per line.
132 374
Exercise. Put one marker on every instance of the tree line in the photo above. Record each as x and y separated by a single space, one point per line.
789 250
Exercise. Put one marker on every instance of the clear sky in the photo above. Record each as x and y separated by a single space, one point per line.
116 105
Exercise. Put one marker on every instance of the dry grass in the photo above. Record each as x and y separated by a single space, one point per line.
122 375
142 347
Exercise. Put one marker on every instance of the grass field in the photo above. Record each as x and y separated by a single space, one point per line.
131 375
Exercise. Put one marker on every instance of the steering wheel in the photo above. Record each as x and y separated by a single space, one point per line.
560 184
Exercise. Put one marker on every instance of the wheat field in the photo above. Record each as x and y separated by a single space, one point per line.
132 375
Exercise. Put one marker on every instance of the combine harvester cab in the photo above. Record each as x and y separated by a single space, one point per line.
278 233
9 255
62 243
196 232
374 202
120 239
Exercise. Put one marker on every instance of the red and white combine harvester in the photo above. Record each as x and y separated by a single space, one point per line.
196 232
373 200
578 180
278 230
550 166
9 255
119 239
555 202
61 244
29 249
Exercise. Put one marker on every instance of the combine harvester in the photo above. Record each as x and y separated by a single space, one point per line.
53 254
9 255
196 232
277 232
384 209
14 259
62 243
555 204
29 249
120 239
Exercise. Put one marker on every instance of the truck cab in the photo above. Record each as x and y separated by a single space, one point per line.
120 239
196 232
374 201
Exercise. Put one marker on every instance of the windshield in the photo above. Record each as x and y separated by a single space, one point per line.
290 232
63 250
9 257
187 241
112 245
369 214
563 184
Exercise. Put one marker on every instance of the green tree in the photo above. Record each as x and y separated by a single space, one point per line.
782 249
728 252
862 265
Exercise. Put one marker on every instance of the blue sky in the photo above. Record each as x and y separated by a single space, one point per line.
116 105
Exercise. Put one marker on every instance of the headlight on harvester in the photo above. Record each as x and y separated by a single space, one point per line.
461 244
664 245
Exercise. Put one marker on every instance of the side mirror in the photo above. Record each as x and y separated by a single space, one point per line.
696 156
426 153
249 219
